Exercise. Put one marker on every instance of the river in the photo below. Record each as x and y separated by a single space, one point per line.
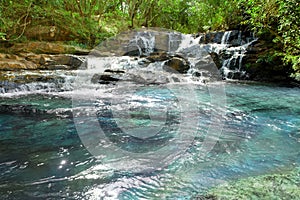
147 134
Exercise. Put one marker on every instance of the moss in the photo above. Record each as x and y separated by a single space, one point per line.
274 186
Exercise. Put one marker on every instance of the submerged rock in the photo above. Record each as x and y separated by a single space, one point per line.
271 186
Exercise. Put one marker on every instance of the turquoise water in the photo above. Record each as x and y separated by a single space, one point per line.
43 156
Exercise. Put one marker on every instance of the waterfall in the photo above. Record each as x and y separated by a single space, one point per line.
143 42
154 57
28 82
141 57
225 37
231 50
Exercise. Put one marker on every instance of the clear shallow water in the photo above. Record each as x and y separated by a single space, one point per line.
42 156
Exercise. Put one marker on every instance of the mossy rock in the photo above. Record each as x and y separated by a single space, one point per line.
42 48
273 186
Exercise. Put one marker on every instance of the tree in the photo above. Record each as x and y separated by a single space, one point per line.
281 20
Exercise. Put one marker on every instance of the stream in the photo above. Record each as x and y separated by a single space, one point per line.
139 130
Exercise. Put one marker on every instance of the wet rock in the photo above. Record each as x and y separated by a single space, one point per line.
162 42
234 38
103 78
114 71
174 63
234 75
45 61
224 55
32 57
216 59
197 74
211 37
158 56
178 64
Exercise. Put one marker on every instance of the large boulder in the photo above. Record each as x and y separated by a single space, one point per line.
31 61
13 65
173 62
178 64
62 61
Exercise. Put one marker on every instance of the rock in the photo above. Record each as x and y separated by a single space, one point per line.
39 61
47 33
174 63
117 46
35 58
216 59
178 64
211 37
2 55
167 41
224 55
43 48
114 71
158 56
11 65
103 79
60 62
235 37
197 74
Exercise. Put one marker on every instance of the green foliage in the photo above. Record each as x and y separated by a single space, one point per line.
2 36
81 19
280 19
91 21
288 29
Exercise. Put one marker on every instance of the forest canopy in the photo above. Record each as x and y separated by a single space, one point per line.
87 22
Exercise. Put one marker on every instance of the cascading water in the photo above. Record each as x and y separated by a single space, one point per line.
31 82
230 49
147 57
142 66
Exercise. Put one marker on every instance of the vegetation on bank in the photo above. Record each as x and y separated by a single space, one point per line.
87 22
